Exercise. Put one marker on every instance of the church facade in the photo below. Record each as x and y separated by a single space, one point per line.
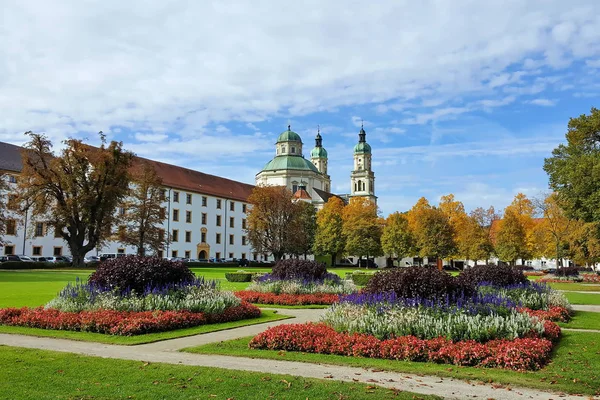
309 180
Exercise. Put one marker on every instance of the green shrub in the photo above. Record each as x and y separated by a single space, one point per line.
33 265
239 276
361 278
212 265
293 268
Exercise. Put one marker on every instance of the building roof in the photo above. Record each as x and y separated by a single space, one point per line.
171 175
318 152
289 135
302 194
288 162
325 196
362 148
10 157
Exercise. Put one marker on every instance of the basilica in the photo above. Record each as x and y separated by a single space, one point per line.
309 180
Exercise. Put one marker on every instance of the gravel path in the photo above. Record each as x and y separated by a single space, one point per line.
166 352
586 307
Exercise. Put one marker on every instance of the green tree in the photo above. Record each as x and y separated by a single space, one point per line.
303 229
434 234
78 191
329 237
485 220
553 230
143 210
511 240
574 168
397 240
362 229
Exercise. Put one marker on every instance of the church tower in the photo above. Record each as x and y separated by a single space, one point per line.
318 156
362 178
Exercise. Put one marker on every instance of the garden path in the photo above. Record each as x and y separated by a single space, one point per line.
586 307
166 352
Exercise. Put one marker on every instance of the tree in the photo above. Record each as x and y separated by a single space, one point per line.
3 205
511 241
473 240
552 232
303 229
415 215
143 210
583 243
329 238
485 220
574 168
525 211
270 217
76 192
434 234
458 219
397 240
362 228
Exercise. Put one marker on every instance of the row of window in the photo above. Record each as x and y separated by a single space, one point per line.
188 200
188 218
188 237
9 250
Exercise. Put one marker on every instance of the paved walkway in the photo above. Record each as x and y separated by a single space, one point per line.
586 307
167 352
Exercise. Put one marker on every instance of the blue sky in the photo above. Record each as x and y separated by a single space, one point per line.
463 97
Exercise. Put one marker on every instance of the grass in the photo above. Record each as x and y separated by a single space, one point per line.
42 374
583 320
266 316
575 366
581 287
583 298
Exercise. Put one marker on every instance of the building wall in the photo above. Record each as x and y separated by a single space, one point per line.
26 230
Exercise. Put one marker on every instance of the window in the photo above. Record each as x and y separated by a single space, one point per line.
255 256
175 214
173 253
57 232
121 211
188 200
293 150
188 217
121 251
218 220
187 254
244 208
231 239
203 237
188 237
9 250
160 254
243 256
231 206
244 223
36 250
294 188
12 201
217 255
230 255
175 236
11 227
204 201
163 213
12 179
39 229
219 204
57 252
176 197
243 241
218 238
203 218
231 222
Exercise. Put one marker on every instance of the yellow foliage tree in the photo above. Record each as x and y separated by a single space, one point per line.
362 228
329 238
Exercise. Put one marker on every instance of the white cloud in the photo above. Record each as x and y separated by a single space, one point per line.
152 137
543 102
593 63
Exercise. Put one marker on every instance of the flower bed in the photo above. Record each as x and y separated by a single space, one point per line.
591 278
534 273
555 313
529 353
125 323
287 299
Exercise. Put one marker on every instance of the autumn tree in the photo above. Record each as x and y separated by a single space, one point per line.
552 232
458 219
574 168
583 243
144 216
397 239
434 234
271 220
362 228
485 219
303 229
329 238
511 240
524 209
77 192
415 214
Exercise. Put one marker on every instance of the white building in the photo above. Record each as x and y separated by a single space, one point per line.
309 180
205 216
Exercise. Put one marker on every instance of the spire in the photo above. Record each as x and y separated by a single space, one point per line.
362 134
289 127
318 139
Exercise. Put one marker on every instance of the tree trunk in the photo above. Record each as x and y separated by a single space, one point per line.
333 257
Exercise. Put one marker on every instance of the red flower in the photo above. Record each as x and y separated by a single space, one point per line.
287 299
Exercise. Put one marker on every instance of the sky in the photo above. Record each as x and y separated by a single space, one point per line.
456 96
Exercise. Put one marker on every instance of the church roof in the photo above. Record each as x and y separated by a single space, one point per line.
290 162
302 194
288 136
325 196
362 148
318 152
11 157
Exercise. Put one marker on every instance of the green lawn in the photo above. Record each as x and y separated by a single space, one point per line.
583 298
267 316
575 366
583 320
41 374
577 287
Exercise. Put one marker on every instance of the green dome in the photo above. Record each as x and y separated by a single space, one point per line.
289 136
289 162
318 152
362 148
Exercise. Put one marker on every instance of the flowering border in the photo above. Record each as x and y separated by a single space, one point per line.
287 299
123 323
521 354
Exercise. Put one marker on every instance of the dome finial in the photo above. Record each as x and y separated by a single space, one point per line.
289 127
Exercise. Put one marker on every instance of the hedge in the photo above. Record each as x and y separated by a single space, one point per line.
239 276
39 265
361 279
253 264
